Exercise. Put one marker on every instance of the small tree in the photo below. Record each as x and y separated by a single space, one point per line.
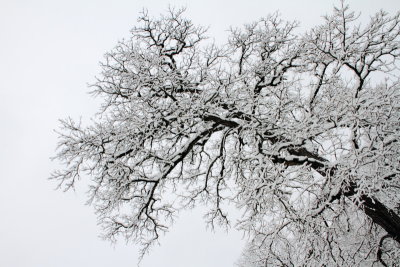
300 132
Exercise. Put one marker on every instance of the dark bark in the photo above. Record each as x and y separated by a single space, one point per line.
378 212
374 209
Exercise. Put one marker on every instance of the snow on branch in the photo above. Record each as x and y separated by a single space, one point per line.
293 129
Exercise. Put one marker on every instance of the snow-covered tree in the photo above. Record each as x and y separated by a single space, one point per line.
299 131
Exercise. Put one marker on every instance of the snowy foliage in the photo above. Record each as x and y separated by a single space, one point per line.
300 132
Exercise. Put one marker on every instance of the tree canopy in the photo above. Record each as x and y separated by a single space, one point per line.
299 131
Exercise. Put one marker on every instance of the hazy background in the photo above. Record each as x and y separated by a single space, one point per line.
49 52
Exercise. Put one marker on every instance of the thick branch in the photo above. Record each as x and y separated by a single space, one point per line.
374 209
378 212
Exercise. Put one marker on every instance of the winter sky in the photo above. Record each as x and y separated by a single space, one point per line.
49 52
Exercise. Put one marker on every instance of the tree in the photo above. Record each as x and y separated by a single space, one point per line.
299 131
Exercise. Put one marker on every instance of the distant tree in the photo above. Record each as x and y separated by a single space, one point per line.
300 132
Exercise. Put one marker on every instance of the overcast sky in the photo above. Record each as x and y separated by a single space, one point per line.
49 52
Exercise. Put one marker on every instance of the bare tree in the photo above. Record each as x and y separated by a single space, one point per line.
300 132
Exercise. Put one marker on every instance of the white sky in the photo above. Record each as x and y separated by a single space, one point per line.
49 51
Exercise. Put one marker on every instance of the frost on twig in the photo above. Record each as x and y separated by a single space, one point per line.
296 130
